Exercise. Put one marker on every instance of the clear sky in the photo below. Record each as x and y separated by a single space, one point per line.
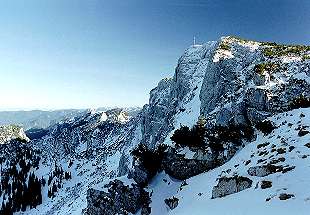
91 53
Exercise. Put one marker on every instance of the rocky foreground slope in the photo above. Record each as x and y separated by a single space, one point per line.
12 132
227 134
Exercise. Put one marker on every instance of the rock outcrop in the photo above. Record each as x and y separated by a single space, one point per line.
262 171
119 199
227 186
139 174
12 132
179 167
172 203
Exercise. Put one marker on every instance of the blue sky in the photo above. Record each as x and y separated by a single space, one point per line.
80 54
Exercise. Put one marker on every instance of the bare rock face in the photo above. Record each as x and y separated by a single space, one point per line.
120 199
257 99
222 82
139 174
249 94
155 115
172 93
179 167
256 116
123 164
227 186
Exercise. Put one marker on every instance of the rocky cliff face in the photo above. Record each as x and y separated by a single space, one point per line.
176 97
233 85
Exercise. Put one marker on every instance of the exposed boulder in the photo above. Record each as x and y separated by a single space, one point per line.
236 115
266 184
307 145
120 199
303 132
223 117
230 185
285 196
179 167
172 202
262 171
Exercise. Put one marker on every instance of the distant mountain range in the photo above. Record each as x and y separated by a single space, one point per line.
36 118
40 119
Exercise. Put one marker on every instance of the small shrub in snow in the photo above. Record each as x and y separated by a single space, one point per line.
193 137
150 159
300 102
224 46
265 126
235 134
266 66
182 136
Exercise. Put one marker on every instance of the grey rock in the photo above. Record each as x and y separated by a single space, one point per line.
285 196
120 199
227 186
256 116
139 174
123 165
224 116
155 115
262 171
179 167
172 203
256 98
266 184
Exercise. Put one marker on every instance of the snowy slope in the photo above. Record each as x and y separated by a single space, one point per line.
195 198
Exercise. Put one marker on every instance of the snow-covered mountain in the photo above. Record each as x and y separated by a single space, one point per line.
40 119
227 134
